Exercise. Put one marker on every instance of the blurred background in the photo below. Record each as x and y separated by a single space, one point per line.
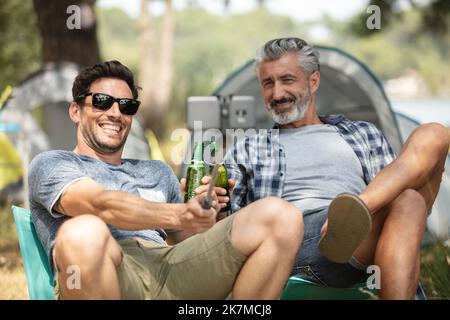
182 48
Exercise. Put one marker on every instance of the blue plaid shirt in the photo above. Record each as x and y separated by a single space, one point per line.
258 162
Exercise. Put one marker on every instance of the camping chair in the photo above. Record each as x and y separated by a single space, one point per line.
37 269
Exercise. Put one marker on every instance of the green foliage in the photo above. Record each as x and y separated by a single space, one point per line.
118 37
210 47
435 271
380 54
434 16
402 45
19 41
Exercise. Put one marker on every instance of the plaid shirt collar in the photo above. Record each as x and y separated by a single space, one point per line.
333 119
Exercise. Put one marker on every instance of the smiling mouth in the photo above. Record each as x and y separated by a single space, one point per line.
111 128
283 102
282 107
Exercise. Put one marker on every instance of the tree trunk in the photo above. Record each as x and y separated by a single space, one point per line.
61 39
157 78
147 66
166 61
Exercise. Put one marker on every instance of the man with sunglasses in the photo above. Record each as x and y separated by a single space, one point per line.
104 220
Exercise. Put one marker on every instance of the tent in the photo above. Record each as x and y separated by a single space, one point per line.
38 108
347 87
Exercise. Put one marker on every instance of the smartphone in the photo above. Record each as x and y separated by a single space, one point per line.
231 112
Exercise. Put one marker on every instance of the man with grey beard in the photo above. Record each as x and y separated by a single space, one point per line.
360 205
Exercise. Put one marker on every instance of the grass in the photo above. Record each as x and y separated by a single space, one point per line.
434 275
435 270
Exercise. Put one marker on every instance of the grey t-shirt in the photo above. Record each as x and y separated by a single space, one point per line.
53 171
320 164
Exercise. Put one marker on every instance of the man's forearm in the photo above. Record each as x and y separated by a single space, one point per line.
129 212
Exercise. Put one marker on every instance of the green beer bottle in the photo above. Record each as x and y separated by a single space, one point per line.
222 181
222 178
195 172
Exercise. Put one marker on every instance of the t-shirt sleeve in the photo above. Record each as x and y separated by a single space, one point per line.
175 193
50 173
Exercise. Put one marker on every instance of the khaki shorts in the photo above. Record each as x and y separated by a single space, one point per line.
203 266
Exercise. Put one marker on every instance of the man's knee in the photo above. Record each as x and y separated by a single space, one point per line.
84 235
282 217
436 134
411 203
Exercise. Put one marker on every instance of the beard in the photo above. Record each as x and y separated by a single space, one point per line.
100 144
296 112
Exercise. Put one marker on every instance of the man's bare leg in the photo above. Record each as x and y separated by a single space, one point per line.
419 166
86 242
399 196
269 232
399 221
393 244
398 249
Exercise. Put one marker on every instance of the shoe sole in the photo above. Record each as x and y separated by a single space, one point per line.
349 222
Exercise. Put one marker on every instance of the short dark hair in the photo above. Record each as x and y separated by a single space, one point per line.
108 69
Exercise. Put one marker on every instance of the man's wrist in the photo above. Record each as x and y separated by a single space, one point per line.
179 210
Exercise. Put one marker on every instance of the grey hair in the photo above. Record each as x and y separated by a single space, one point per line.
308 57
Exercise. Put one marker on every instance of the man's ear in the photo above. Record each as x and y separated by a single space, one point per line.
314 81
74 112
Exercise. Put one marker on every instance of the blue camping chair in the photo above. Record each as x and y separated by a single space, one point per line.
40 277
37 270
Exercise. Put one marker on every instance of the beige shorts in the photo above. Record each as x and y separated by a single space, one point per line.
203 266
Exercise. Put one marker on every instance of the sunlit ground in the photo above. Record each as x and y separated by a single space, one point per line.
13 284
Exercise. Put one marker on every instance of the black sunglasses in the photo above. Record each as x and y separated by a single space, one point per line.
103 101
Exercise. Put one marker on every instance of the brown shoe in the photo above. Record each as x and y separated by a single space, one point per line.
349 222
